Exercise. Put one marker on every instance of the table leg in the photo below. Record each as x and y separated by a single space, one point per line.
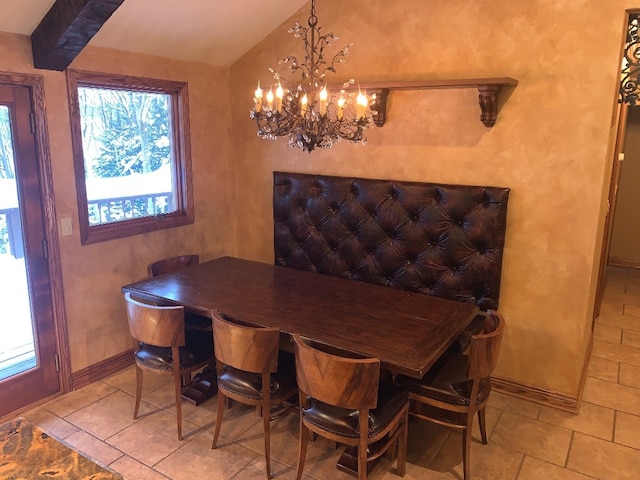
203 386
348 462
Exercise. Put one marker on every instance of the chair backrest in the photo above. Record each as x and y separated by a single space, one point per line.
251 349
340 381
485 347
155 325
171 264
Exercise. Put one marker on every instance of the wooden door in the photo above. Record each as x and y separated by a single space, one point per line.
28 371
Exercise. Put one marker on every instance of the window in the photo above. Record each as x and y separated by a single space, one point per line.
131 154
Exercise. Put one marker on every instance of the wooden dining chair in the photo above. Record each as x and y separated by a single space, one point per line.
341 399
158 335
247 360
193 321
171 264
458 386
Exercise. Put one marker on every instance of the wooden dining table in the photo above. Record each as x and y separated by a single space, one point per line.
407 331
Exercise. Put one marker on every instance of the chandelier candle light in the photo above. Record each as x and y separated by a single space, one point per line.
310 115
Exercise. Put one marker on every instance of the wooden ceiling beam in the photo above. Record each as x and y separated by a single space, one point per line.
66 29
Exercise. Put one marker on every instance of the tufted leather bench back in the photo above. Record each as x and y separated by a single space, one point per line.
442 240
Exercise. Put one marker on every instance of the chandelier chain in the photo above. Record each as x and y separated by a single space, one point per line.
313 20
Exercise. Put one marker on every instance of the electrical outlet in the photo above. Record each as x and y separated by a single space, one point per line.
66 228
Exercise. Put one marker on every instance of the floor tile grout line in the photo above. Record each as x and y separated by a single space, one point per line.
568 469
618 343
145 466
493 429
519 469
620 384
44 406
235 476
65 417
83 451
566 460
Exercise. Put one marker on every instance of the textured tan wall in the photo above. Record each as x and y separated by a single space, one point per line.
93 274
625 240
549 145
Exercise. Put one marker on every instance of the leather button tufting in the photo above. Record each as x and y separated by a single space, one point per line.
417 239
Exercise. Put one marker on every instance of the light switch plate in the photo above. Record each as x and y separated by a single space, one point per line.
66 228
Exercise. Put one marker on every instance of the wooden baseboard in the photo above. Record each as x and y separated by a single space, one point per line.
536 395
116 363
101 369
623 262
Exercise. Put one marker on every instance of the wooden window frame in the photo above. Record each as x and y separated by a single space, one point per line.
180 138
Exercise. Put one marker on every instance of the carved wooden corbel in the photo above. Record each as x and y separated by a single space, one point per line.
380 106
489 103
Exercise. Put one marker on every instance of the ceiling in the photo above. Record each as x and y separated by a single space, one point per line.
217 32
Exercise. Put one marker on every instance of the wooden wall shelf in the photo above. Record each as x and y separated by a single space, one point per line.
488 89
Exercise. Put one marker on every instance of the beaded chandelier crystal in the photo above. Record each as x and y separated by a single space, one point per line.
306 111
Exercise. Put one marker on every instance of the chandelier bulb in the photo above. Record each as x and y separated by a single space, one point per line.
323 101
279 95
270 98
340 112
258 98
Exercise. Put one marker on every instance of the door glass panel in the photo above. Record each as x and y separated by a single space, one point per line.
17 351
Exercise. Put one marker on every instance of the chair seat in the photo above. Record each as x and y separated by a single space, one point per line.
447 381
249 385
159 358
344 421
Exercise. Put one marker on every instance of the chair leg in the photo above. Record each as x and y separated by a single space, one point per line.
266 421
221 403
177 381
302 447
362 461
138 391
362 444
466 450
403 441
483 425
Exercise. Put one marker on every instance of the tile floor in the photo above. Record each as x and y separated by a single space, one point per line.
526 441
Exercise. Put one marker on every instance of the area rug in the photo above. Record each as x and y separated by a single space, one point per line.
28 453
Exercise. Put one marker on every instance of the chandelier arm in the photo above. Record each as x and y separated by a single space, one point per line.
276 125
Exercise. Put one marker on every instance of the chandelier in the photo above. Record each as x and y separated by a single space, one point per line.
307 111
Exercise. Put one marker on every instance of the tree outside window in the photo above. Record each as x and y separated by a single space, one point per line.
8 198
131 155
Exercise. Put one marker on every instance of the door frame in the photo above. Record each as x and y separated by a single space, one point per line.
619 123
612 199
36 85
